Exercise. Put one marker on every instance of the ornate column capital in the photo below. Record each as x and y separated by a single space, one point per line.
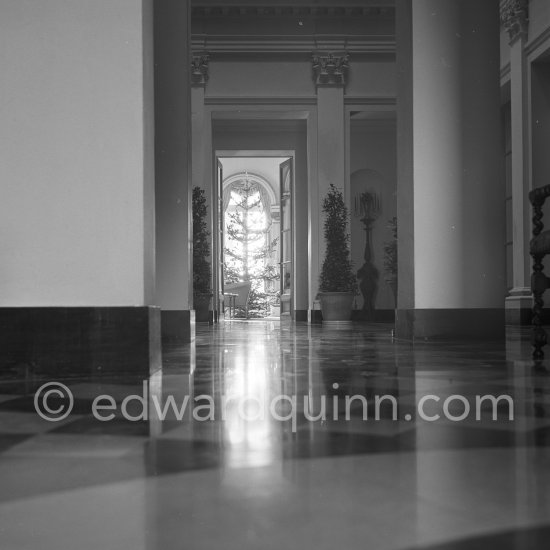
514 17
199 69
330 69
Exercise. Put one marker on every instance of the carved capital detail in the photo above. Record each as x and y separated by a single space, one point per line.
514 17
199 69
330 69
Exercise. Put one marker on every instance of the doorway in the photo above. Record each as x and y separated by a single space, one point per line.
253 245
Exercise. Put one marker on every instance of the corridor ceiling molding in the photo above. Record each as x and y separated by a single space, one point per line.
293 45
290 10
298 27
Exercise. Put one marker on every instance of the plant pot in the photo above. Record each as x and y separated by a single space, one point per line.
336 306
201 303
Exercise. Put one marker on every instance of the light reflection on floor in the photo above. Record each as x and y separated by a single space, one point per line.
250 480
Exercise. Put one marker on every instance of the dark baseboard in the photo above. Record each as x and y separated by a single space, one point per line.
207 320
357 315
475 324
377 316
300 315
178 326
524 316
80 340
520 316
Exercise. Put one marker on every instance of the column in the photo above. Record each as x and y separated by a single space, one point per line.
519 301
330 71
173 169
451 190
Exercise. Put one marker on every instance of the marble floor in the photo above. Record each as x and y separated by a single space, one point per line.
293 436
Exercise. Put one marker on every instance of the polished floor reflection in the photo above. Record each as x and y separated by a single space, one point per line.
264 435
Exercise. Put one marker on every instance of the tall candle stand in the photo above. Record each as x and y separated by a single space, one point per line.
367 209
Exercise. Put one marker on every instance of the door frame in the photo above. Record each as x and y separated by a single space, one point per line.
286 213
216 185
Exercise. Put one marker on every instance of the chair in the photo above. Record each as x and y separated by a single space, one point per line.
242 291
538 248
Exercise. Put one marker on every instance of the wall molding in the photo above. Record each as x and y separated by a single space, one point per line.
259 125
373 125
293 44
260 100
358 100
296 100
539 41
244 8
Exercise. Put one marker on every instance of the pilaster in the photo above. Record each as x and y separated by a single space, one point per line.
330 71
514 17
201 146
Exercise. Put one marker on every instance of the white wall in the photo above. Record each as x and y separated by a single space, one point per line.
272 77
72 165
260 78
375 77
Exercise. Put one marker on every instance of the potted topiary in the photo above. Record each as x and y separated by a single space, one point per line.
202 270
337 282
390 259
